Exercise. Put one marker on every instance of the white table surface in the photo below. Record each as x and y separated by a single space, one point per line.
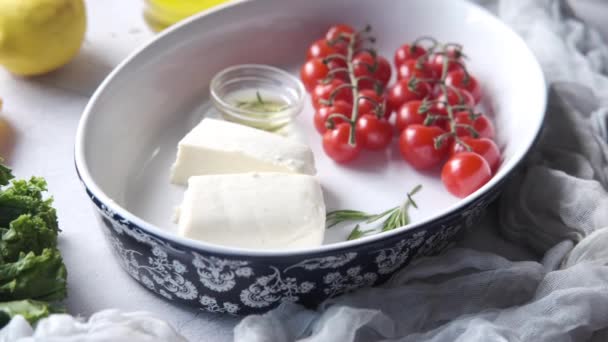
44 114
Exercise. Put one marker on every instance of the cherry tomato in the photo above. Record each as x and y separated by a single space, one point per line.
313 71
383 72
438 109
321 49
417 146
339 63
377 133
455 97
334 32
464 173
416 68
323 92
321 114
483 146
481 124
406 52
363 61
369 107
401 92
455 57
458 79
336 146
410 113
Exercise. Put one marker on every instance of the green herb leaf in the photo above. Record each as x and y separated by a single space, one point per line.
31 267
40 277
27 233
5 174
26 197
356 233
31 310
259 97
376 217
338 216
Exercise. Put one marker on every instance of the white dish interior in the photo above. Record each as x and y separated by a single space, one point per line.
129 132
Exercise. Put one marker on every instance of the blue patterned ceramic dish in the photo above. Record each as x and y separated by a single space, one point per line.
129 131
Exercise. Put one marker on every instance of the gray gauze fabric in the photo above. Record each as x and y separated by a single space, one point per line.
556 206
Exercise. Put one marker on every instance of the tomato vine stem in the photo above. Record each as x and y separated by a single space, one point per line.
393 218
353 42
452 56
355 89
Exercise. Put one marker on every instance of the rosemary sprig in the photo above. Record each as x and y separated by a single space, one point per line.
338 216
357 233
395 217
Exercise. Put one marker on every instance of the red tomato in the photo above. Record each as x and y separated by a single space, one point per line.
324 92
458 79
483 146
417 146
410 113
321 49
363 62
456 97
335 31
365 105
401 92
339 63
313 71
415 68
482 125
464 173
377 133
455 57
383 72
321 114
336 146
406 52
438 109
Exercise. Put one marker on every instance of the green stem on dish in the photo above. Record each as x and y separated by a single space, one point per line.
353 41
394 217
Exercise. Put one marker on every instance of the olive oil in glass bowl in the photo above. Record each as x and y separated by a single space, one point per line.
258 96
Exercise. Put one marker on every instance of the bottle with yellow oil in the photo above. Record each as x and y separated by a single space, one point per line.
160 14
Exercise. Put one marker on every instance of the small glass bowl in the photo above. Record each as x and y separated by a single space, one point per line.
256 82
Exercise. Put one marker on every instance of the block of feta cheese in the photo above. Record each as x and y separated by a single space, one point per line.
267 210
219 147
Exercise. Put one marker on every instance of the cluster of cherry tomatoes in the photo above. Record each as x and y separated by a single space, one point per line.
431 106
347 84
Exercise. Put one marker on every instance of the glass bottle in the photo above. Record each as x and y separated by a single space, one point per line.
160 14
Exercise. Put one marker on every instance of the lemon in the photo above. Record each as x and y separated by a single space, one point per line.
38 36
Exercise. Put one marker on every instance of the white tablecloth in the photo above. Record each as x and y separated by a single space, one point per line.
44 113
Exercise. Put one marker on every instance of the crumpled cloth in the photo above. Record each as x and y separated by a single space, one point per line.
556 206
107 325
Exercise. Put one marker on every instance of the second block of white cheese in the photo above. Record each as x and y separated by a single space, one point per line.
269 211
219 147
